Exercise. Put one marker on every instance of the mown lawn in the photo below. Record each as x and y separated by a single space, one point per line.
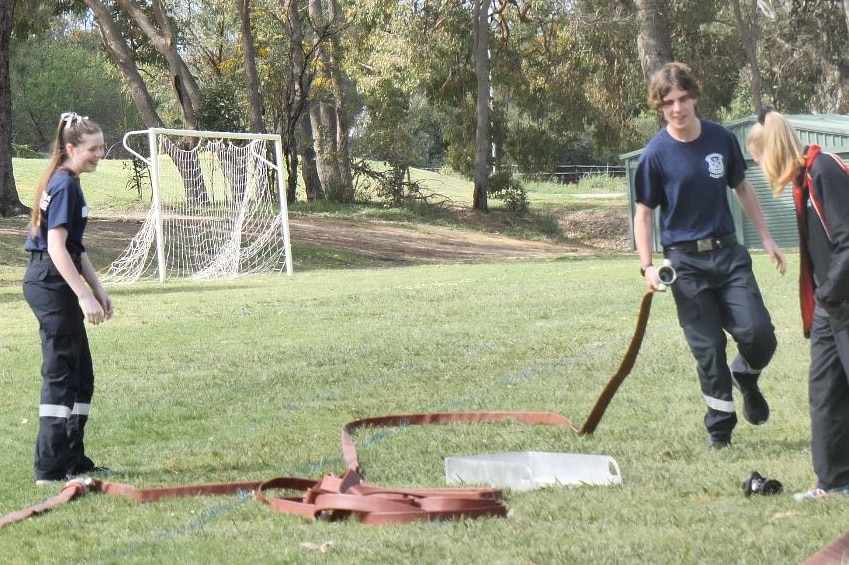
253 378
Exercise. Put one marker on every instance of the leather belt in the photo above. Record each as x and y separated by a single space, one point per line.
701 245
44 256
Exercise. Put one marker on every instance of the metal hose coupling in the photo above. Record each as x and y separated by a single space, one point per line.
666 275
83 483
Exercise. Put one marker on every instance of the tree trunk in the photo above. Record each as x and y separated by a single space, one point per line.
323 155
846 12
482 146
343 156
294 106
123 58
322 108
10 202
750 33
164 40
654 42
309 172
257 124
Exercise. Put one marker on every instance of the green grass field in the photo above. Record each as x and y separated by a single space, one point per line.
253 378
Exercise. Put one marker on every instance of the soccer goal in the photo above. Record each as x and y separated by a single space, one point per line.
218 207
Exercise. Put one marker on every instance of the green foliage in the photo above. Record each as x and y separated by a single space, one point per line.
567 87
24 151
604 184
713 49
600 59
647 124
138 175
803 57
53 76
219 109
505 187
399 128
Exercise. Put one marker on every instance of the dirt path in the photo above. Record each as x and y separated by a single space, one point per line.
411 243
586 232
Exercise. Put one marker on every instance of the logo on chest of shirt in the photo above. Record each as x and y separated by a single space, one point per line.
716 167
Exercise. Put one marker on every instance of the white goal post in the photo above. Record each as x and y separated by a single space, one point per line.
218 208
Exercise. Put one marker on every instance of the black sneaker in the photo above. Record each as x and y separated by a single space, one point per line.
51 481
718 442
755 407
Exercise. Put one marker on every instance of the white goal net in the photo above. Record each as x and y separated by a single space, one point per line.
218 208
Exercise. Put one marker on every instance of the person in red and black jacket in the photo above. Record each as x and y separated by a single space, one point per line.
820 183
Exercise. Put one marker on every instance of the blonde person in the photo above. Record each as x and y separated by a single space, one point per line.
63 291
820 184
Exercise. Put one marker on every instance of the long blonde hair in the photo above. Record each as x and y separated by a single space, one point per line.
71 129
773 142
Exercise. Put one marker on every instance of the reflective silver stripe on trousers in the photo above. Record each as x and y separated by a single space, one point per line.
81 409
53 411
721 405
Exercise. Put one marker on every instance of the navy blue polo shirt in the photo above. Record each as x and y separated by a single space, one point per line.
690 182
62 204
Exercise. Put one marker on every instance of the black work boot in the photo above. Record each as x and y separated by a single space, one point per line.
755 407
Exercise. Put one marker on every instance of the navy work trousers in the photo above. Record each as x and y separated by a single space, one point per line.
716 292
66 371
828 391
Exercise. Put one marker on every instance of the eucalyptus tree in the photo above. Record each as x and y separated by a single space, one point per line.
291 100
654 41
746 16
327 100
20 19
162 36
567 82
806 63
255 113
564 78
482 104
10 202
398 123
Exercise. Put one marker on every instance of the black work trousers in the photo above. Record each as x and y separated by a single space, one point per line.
67 374
828 391
716 292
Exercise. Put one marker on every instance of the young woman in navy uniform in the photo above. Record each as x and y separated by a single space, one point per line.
820 183
63 291
686 170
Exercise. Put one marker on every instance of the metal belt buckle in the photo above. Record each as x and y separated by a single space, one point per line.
704 244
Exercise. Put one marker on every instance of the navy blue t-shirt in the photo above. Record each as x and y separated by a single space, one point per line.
62 204
690 182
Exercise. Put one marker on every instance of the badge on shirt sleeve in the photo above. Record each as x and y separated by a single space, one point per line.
44 202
